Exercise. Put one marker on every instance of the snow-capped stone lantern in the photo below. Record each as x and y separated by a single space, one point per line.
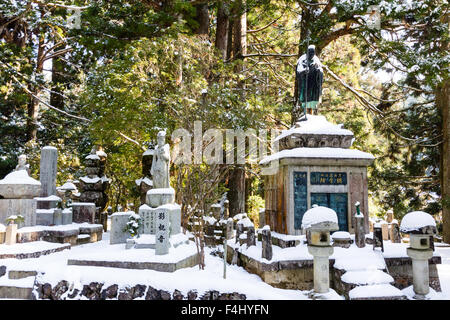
319 221
420 226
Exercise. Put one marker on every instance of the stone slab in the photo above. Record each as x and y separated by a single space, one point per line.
66 216
31 254
24 207
83 212
48 170
118 224
186 262
44 217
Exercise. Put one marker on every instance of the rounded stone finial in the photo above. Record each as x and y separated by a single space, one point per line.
418 222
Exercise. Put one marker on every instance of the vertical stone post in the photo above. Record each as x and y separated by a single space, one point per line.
11 234
395 232
225 258
360 234
321 267
385 231
226 213
47 174
266 240
378 237
251 239
162 232
229 229
420 226
421 273
239 231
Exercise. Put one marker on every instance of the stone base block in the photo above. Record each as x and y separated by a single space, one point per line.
44 217
184 256
83 212
66 216
62 236
149 218
31 250
95 231
23 207
160 196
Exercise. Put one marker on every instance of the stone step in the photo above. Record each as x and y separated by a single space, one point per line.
83 239
376 292
16 288
21 274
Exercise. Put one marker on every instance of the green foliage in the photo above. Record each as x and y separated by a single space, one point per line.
133 225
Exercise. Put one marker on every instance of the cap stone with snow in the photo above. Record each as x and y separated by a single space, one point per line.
418 222
322 218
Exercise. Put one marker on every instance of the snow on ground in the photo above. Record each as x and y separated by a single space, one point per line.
237 279
444 271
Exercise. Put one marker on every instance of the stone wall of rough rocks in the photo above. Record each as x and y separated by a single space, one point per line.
97 291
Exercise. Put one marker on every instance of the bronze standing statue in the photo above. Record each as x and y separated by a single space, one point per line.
309 77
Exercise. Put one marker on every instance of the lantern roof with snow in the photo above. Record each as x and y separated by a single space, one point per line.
322 218
418 222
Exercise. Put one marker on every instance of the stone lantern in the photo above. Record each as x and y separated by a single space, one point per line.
420 226
319 222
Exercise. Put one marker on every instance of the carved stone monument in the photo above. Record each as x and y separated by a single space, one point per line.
160 214
18 190
47 176
93 188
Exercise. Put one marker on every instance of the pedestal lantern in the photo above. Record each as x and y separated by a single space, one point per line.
319 222
420 226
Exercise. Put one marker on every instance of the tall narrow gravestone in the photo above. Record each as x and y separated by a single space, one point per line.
47 175
162 232
360 235
266 243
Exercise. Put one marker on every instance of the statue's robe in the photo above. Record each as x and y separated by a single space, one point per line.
161 166
313 90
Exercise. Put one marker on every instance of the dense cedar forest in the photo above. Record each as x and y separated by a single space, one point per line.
74 74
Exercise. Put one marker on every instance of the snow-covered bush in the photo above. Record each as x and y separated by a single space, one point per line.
133 225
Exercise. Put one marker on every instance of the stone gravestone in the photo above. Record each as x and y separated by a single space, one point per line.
239 231
251 239
118 225
229 229
378 237
360 234
395 232
162 232
266 243
83 212
385 230
47 175
148 217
